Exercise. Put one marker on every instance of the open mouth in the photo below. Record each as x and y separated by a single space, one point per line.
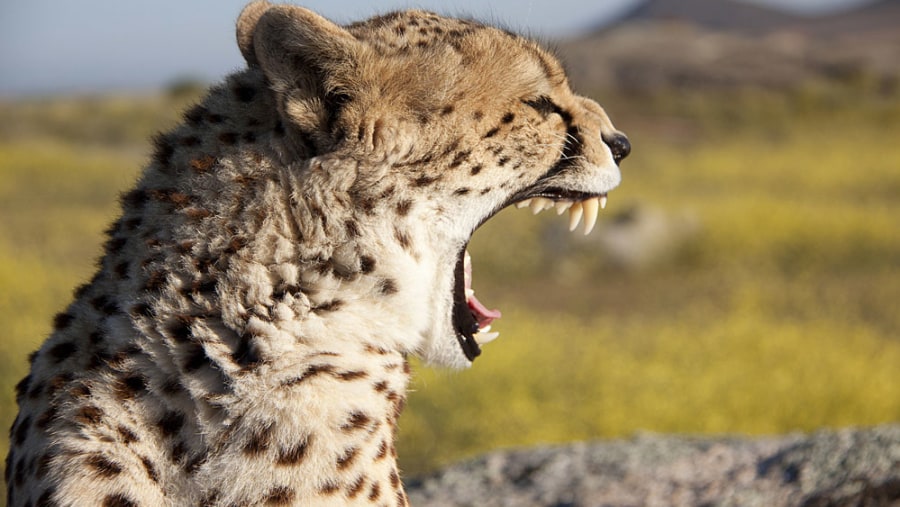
471 318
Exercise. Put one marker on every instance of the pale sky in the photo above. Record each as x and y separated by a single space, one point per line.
51 46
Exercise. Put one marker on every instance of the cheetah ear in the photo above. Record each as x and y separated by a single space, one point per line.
289 43
246 24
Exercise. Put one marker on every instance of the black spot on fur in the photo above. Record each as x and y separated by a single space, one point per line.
374 492
356 487
294 455
503 161
425 180
403 207
43 466
258 442
155 281
476 169
329 488
150 468
133 223
214 118
62 321
190 141
367 264
328 306
447 110
461 191
170 423
135 198
130 386
356 421
89 415
178 452
104 305
115 245
229 138
142 310
61 351
103 466
492 132
47 499
81 291
387 287
119 500
163 150
460 158
23 386
43 422
246 355
21 430
508 118
347 458
128 436
311 371
194 116
352 375
180 330
282 495
402 238
244 93
121 270
352 228
196 359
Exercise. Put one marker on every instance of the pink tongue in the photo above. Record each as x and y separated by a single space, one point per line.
482 314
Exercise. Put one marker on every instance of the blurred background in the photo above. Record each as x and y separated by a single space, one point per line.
744 279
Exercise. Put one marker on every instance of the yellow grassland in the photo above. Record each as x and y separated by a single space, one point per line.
778 312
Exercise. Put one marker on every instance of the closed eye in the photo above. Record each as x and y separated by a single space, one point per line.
545 106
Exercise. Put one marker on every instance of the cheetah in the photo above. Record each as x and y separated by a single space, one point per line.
286 249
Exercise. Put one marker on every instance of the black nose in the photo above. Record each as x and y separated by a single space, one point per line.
619 146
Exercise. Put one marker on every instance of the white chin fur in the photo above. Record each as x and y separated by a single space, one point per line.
443 351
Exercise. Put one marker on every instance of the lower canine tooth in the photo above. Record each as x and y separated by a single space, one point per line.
591 208
575 213
603 200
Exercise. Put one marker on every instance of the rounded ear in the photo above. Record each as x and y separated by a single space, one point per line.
246 24
289 42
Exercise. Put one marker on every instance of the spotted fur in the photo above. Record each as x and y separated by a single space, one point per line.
289 245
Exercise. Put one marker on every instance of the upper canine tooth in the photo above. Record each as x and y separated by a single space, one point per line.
603 200
575 213
539 204
562 206
591 208
522 204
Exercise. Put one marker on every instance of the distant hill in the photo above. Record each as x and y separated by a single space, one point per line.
872 19
721 15
727 44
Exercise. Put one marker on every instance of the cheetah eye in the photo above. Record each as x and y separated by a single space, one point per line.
545 106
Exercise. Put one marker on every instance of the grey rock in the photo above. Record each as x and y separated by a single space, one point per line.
850 467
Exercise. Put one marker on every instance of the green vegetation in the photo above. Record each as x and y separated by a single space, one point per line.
776 311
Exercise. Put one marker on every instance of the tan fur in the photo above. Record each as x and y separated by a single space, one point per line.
287 248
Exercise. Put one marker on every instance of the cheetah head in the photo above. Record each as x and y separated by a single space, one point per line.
446 123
